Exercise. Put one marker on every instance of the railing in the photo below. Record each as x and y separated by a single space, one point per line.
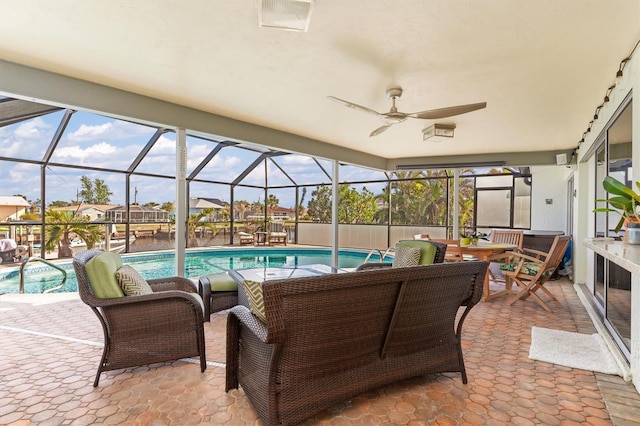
366 259
39 259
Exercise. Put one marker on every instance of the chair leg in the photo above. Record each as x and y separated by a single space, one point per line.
540 301
548 293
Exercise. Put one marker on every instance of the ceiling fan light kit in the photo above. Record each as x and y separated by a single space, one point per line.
394 116
292 15
443 130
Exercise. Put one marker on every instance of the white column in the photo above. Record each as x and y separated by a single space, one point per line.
334 214
181 199
456 204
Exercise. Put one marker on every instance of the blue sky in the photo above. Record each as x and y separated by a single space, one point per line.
96 141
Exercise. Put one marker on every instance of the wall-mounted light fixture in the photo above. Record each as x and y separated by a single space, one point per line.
292 15
443 130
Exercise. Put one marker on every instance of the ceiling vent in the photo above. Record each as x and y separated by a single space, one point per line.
292 15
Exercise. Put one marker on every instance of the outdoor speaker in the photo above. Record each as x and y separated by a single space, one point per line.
561 159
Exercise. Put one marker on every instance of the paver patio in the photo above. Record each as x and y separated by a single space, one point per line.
50 346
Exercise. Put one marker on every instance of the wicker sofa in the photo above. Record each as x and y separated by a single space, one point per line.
332 337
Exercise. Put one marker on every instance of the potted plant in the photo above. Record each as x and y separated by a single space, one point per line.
625 202
472 237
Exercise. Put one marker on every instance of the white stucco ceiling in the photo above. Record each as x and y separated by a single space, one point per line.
542 66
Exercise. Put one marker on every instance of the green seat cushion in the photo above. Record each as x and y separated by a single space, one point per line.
528 268
221 282
131 282
406 256
253 290
101 270
427 250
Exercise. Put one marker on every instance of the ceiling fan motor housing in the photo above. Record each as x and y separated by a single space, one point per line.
394 92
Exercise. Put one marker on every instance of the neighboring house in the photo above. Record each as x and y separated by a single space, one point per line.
273 213
139 214
12 207
281 213
91 212
196 205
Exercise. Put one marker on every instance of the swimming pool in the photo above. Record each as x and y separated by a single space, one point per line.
39 277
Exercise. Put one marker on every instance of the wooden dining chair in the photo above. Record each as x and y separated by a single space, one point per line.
421 237
531 269
453 253
503 236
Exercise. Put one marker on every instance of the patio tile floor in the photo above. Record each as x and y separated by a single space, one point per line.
50 347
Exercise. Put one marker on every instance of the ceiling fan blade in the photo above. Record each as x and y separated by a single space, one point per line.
434 114
352 105
380 129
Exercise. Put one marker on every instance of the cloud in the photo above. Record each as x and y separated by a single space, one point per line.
296 159
32 130
112 130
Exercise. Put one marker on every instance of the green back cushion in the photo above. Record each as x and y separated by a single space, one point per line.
253 290
222 282
406 256
101 270
427 250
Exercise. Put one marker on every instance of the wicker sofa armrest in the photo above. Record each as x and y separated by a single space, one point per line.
238 317
252 322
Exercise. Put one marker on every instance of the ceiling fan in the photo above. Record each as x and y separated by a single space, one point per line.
394 116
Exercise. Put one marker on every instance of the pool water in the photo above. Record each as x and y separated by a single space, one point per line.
39 277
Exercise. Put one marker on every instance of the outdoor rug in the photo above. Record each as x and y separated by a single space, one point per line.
575 350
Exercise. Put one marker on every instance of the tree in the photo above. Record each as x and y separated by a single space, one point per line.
60 224
417 200
319 207
300 207
195 222
224 212
59 203
151 204
94 192
240 209
167 206
272 201
30 216
354 206
86 193
103 195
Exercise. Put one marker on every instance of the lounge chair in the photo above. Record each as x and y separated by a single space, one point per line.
277 233
246 238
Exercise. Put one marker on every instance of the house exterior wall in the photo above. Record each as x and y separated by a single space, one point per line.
11 213
586 193
546 186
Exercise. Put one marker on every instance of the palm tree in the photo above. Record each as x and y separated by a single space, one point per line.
195 223
60 224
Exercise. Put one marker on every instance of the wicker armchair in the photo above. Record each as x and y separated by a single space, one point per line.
139 330
329 338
